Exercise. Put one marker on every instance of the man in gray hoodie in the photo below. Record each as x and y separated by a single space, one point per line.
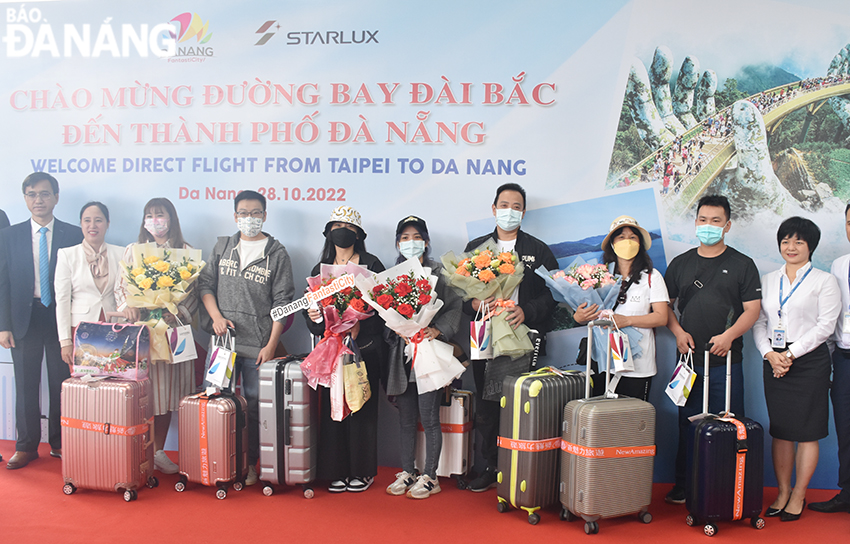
246 276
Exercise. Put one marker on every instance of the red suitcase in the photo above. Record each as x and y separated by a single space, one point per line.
106 435
213 442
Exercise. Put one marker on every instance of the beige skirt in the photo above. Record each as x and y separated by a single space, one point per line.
170 383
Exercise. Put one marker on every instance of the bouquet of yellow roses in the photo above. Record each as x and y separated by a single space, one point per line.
159 281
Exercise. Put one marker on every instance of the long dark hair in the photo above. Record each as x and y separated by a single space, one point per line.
175 235
425 238
641 262
329 249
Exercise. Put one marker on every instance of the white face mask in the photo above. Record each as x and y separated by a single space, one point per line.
411 249
157 226
250 226
508 219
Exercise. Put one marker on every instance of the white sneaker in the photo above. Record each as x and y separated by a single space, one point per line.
356 485
424 488
252 477
162 463
403 481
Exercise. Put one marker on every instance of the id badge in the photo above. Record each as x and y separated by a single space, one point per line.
777 339
846 322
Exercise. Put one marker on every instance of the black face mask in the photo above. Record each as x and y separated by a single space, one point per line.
342 237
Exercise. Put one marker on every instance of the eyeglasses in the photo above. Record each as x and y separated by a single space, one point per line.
43 195
256 214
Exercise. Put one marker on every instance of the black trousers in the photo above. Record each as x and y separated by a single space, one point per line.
486 417
41 340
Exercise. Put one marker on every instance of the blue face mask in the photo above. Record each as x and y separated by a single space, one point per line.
411 249
508 219
709 234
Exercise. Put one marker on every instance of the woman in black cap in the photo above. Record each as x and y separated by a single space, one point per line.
348 449
413 242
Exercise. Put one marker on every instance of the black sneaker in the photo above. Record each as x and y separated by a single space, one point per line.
676 495
338 486
835 504
356 485
485 481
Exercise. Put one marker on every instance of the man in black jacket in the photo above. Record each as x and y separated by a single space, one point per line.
534 307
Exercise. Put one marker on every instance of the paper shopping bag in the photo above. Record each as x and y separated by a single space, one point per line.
356 383
481 335
682 381
621 354
222 358
111 349
181 342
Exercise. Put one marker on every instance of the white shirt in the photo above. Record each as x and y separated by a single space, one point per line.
509 245
250 251
639 299
36 241
808 316
841 271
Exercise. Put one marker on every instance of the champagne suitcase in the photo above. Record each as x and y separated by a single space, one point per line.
106 435
607 454
530 437
289 426
456 455
725 479
213 442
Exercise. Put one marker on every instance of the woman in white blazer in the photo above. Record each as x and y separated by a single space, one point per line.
85 277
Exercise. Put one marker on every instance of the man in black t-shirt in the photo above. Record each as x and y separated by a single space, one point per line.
719 297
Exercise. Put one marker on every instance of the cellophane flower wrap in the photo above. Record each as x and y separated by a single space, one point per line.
405 298
341 311
587 281
159 280
483 273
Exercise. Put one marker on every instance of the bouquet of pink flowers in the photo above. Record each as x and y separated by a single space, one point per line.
587 276
341 311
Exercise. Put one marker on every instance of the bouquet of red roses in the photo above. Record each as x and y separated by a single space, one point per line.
404 297
341 311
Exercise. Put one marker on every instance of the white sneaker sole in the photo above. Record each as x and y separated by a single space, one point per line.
432 492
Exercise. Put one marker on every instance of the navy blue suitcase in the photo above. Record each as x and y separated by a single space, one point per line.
717 450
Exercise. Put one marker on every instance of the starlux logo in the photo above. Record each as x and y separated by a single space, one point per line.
191 26
316 37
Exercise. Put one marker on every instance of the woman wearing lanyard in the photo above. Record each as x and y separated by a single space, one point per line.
800 305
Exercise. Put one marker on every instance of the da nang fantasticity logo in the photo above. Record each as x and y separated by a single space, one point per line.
316 37
191 26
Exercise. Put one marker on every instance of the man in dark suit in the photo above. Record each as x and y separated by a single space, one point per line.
28 312
4 222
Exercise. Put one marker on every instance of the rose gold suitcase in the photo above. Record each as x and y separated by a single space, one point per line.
106 435
213 442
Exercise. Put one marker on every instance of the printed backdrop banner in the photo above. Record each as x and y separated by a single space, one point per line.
398 108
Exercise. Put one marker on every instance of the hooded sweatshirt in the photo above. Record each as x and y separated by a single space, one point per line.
246 298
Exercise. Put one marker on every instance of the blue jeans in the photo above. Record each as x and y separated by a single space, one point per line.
246 367
840 394
411 408
716 404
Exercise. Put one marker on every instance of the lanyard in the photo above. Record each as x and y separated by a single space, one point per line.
782 301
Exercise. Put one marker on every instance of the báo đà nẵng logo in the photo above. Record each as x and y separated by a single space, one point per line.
191 26
316 37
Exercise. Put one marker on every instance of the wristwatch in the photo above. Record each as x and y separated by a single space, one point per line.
789 355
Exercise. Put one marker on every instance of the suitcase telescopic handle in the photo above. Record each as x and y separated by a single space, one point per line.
728 410
606 324
287 438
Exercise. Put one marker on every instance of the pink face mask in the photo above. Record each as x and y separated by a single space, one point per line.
157 226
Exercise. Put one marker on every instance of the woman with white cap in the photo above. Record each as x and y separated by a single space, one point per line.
641 303
348 449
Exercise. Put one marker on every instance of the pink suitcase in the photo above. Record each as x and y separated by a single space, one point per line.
213 442
106 435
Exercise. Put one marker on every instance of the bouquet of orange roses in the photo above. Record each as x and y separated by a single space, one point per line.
484 273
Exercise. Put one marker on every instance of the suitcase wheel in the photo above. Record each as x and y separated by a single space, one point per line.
645 517
591 527
533 519
237 486
461 483
152 482
268 490
221 493
308 492
710 529
502 507
690 520
130 495
68 489
180 486
566 515
757 522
